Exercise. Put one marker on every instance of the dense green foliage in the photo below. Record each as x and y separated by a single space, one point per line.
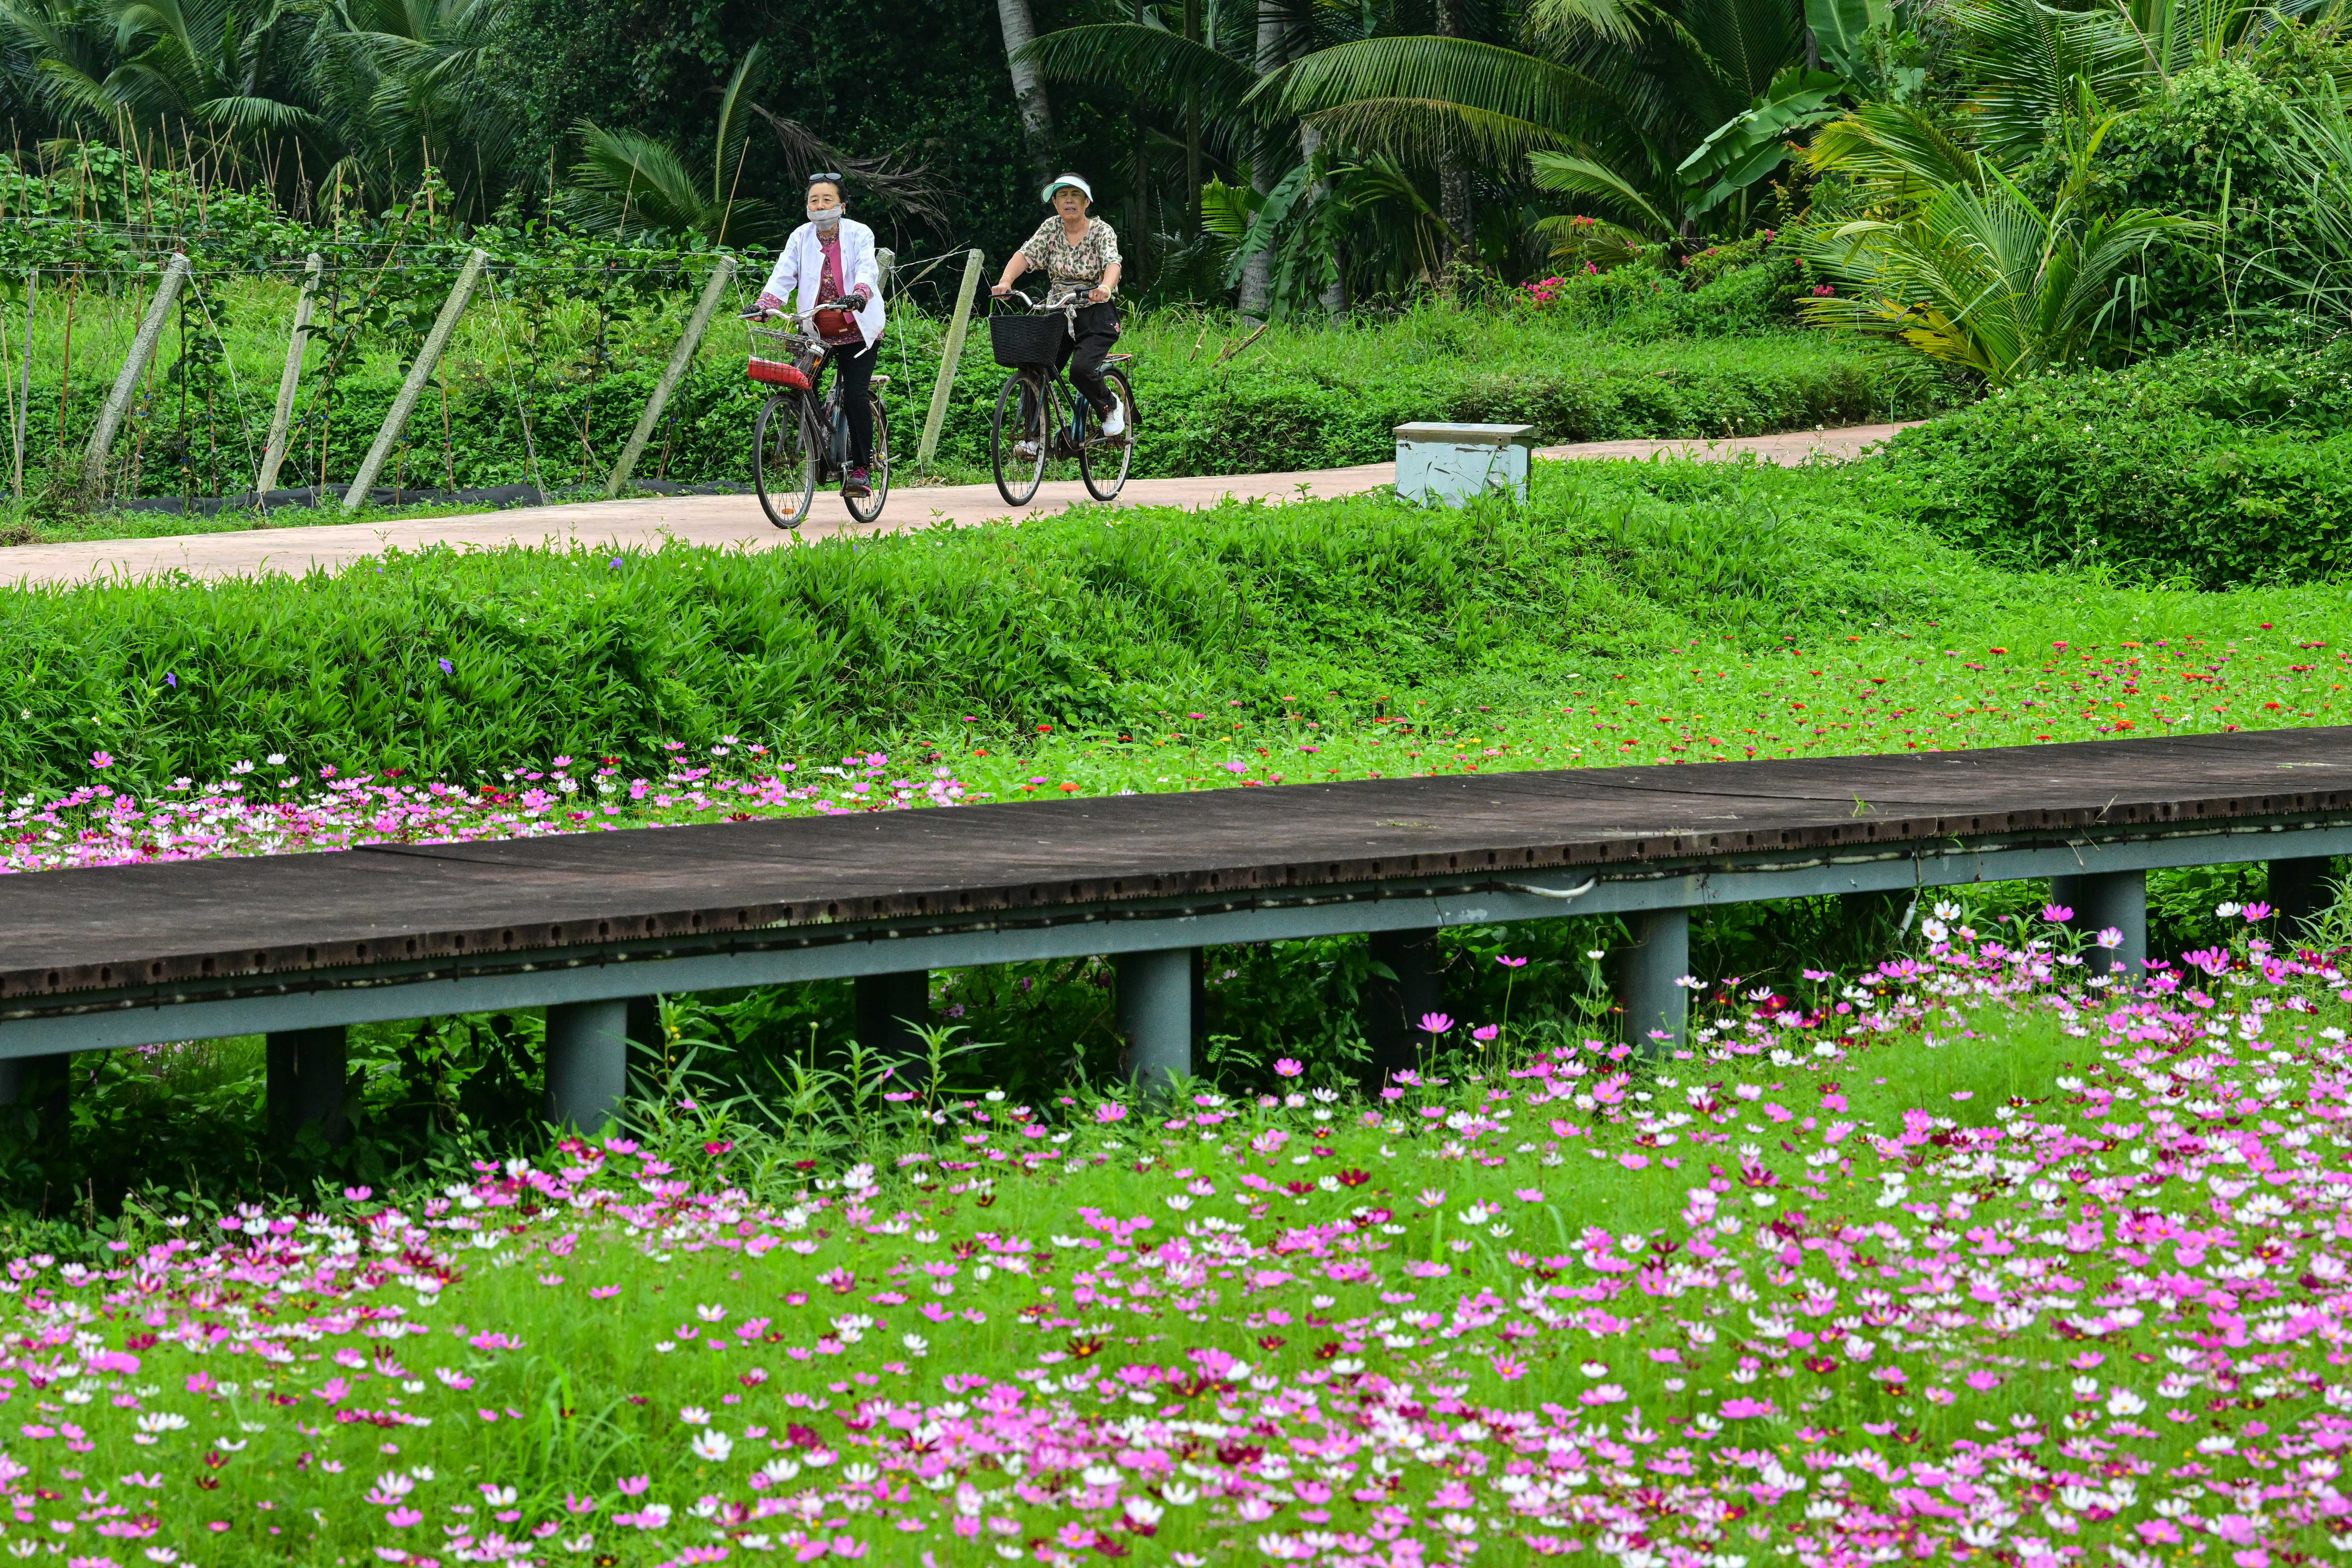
2211 467
1071 621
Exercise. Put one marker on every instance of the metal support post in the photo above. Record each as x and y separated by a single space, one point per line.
281 418
681 359
1155 1014
1650 986
587 1063
889 1009
1393 1009
2111 900
950 351
395 419
2300 893
307 1069
134 365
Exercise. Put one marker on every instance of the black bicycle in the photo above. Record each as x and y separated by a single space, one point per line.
1040 420
799 441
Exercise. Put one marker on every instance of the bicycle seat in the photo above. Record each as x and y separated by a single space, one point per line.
1117 359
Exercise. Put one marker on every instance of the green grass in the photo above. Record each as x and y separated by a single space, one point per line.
1631 613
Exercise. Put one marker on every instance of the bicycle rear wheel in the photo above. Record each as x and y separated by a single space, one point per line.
1104 462
877 469
1021 417
784 459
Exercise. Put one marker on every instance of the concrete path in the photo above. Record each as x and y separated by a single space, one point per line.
738 519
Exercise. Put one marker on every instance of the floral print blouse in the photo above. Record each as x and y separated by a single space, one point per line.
1071 269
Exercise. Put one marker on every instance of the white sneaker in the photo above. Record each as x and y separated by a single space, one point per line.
1115 422
1025 450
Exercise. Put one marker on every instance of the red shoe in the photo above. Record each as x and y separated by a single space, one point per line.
855 485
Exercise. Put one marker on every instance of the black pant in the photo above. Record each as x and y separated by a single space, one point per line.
853 367
1097 334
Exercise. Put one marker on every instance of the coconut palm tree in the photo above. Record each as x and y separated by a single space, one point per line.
405 83
1969 269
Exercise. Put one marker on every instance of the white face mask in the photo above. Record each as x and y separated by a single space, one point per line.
828 218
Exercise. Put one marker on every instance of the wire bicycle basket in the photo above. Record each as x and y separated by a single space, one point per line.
786 359
1025 341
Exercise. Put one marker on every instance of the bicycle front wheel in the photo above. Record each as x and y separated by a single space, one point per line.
877 469
784 460
1020 421
1104 460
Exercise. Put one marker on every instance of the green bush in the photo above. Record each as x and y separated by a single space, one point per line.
443 662
2213 466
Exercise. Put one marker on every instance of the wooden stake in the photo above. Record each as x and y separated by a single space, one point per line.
397 419
680 358
950 351
126 381
282 418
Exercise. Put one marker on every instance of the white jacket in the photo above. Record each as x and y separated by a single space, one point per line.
800 269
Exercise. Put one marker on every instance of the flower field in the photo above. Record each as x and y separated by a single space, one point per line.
1887 692
1972 1258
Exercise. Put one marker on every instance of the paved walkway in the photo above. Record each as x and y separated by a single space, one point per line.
738 521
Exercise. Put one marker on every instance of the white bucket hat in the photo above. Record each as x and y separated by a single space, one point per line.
1076 182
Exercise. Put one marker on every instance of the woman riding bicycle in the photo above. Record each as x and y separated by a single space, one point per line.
828 258
1080 255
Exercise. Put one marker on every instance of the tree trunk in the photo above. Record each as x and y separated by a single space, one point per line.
1257 272
1335 297
1139 223
1191 136
1452 175
1028 87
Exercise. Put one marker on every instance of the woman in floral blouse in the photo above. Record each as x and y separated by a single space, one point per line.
1080 258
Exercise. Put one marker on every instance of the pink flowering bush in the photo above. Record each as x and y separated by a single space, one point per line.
1978 1255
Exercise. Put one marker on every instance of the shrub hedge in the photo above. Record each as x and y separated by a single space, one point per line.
2214 467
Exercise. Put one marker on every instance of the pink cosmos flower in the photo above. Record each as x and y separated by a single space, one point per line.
1288 1066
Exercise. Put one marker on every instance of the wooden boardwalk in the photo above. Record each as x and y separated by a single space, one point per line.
987 880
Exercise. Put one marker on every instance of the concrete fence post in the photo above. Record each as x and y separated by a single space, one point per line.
134 365
281 418
950 351
681 359
397 419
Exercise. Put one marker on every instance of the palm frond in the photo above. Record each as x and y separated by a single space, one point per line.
1426 130
2031 63
1567 174
1485 78
1153 64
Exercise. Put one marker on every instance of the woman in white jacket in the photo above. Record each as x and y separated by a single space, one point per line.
829 258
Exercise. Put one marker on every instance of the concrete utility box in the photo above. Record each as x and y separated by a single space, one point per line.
1451 463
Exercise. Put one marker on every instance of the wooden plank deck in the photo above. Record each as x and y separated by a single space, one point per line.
289 917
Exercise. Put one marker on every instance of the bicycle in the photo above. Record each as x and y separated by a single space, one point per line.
800 442
1032 411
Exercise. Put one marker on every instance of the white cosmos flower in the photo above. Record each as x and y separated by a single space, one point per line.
714 1447
695 1416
